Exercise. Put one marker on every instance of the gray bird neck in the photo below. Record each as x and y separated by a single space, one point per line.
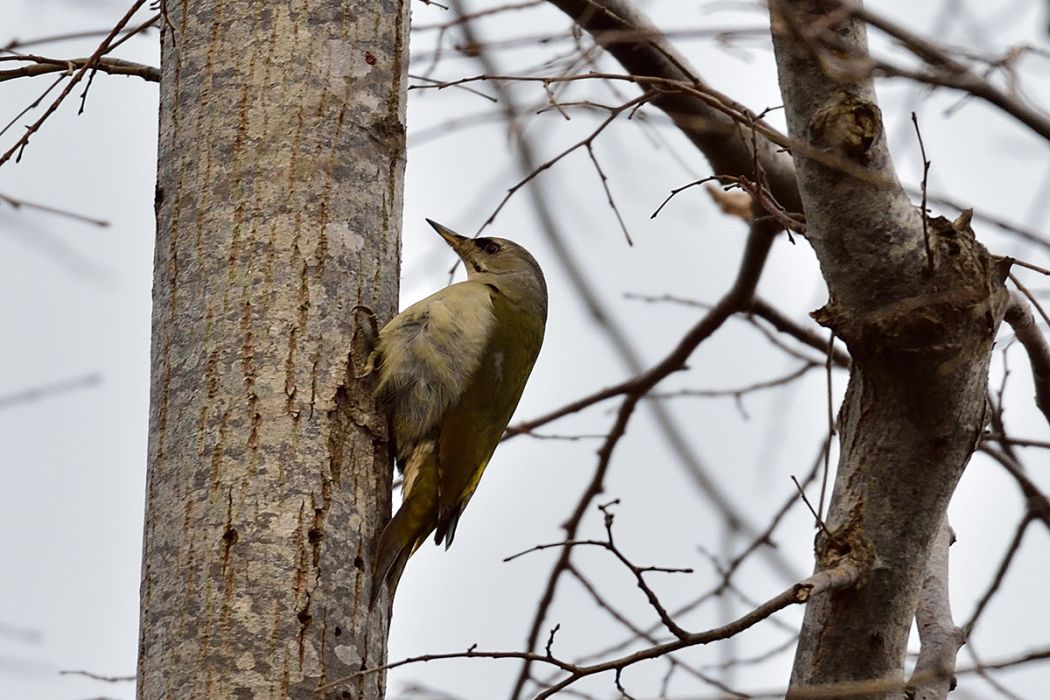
524 289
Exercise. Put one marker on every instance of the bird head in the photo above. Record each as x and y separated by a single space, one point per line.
496 256
501 263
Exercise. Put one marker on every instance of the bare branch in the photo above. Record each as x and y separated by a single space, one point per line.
922 207
1000 574
48 390
1011 227
608 194
757 307
1037 501
808 336
89 64
584 288
737 298
843 576
939 637
97 677
1019 316
41 65
949 72
879 284
741 391
16 203
583 143
644 51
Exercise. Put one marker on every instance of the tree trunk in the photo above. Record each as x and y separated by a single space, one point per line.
279 192
918 303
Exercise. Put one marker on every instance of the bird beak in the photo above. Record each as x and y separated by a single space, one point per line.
454 240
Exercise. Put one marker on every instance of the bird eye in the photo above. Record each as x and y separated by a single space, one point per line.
490 247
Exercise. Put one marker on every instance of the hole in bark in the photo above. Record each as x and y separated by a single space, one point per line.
359 563
314 535
230 536
338 631
304 617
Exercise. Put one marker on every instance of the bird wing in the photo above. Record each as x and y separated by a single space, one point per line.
428 355
471 430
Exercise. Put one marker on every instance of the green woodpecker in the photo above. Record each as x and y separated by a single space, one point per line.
451 370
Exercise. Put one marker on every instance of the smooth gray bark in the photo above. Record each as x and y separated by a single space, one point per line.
279 192
920 329
933 677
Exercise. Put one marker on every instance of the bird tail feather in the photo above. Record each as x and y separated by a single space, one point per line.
401 538
395 546
411 524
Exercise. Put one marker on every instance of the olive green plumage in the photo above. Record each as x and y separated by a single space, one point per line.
452 368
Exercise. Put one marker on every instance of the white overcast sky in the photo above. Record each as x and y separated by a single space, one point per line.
75 304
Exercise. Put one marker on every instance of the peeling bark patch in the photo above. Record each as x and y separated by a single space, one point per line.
849 127
348 655
350 239
847 540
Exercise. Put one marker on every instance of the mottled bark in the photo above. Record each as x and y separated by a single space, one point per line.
279 191
918 306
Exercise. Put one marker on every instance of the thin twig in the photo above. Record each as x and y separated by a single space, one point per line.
842 576
23 141
1000 573
98 677
816 515
21 203
925 177
608 194
49 390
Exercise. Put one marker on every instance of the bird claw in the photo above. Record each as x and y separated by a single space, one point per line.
369 340
370 366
